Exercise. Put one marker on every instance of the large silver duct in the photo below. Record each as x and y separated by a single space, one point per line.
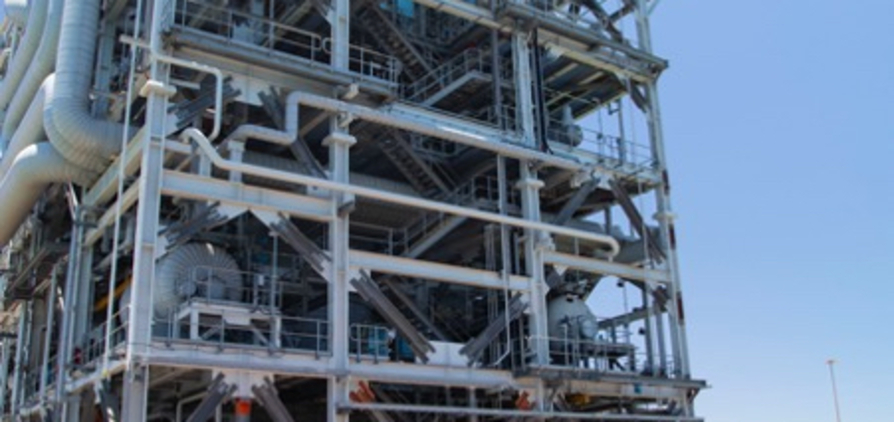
82 139
81 145
41 65
30 131
22 58
35 168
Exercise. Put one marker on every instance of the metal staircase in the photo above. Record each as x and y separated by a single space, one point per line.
430 179
453 82
390 286
390 38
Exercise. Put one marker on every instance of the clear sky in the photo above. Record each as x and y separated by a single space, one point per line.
778 117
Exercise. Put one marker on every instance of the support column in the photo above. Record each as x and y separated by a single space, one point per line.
15 397
141 313
4 372
664 210
74 317
48 338
340 22
339 143
524 103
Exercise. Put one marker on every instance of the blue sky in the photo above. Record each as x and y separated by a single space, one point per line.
778 118
778 124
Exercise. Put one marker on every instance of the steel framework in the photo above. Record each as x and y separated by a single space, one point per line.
396 211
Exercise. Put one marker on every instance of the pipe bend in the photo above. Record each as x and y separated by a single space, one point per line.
85 141
35 168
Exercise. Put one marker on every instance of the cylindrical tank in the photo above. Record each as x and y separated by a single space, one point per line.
570 317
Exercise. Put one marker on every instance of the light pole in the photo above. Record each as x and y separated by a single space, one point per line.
831 363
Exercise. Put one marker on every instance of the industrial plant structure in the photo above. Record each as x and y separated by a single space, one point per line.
323 210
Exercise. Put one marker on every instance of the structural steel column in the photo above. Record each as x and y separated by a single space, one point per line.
71 313
340 22
48 337
20 350
4 373
339 143
140 322
524 103
664 210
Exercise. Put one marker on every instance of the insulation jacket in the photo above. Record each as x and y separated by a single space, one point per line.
30 131
33 170
21 59
41 65
87 142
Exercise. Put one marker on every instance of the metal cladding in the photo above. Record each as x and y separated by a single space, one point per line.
324 210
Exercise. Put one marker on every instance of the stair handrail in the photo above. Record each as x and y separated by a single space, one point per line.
471 59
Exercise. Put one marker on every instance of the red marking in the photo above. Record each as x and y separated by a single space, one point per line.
243 407
522 401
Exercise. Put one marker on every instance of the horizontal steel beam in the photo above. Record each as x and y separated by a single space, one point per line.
191 186
435 271
598 266
452 410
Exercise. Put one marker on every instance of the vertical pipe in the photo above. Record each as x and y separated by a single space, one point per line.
649 336
48 336
71 293
339 143
21 345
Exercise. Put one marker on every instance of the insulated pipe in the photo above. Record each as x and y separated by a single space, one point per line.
17 11
86 142
210 151
41 66
22 57
34 169
30 132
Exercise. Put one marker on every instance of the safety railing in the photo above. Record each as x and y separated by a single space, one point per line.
255 31
589 355
227 286
612 151
435 149
92 346
274 334
470 60
370 342
484 190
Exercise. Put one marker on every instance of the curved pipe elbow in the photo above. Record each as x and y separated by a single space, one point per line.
85 141
33 169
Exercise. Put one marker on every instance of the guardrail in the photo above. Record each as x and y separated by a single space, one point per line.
274 334
600 356
617 152
370 341
255 31
254 289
